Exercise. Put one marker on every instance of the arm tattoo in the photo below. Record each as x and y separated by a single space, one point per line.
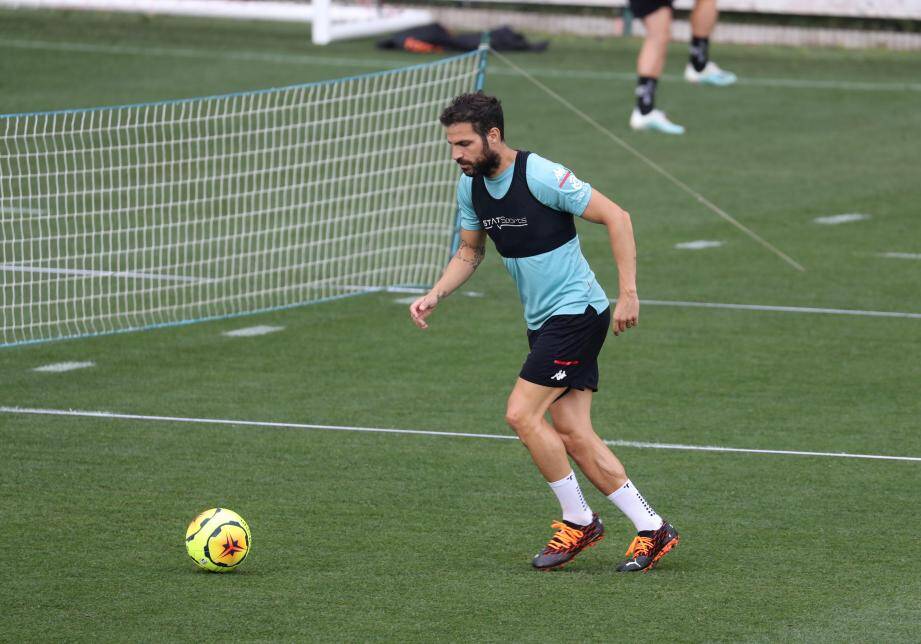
479 252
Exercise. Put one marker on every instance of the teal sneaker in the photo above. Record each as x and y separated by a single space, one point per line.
655 120
711 74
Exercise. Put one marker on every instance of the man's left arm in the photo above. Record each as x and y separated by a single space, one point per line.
602 210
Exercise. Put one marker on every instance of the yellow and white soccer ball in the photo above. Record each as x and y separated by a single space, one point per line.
218 540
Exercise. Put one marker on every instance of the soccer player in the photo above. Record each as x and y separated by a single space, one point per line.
526 204
657 19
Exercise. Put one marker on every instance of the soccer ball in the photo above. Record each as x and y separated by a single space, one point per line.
218 540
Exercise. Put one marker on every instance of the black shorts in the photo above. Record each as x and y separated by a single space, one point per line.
642 8
564 351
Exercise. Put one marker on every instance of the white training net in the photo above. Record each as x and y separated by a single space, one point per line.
132 217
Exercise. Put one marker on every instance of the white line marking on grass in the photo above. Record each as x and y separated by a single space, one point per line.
834 220
849 86
788 83
784 452
901 255
250 331
60 367
412 298
414 290
406 289
420 432
699 244
243 423
19 268
782 309
371 63
712 207
382 289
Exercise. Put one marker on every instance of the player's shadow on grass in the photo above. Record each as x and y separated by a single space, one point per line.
607 565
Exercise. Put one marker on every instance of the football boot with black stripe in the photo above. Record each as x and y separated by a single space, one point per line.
570 539
648 547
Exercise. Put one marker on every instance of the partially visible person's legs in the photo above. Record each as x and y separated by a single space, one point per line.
700 69
657 21
651 60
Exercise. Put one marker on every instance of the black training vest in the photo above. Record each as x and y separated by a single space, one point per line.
518 223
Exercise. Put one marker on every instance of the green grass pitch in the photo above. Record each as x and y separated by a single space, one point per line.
362 536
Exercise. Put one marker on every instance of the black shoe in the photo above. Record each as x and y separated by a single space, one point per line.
648 547
569 540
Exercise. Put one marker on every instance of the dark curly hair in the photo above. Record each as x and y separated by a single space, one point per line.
481 111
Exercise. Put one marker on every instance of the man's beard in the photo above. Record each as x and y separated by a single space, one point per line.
488 164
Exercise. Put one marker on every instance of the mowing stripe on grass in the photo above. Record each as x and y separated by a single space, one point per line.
381 430
371 63
199 54
782 309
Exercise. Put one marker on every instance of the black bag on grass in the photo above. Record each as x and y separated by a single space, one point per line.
434 37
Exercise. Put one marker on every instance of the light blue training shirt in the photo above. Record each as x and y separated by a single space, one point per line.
558 282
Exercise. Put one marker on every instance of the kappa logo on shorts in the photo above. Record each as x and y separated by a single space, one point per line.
559 375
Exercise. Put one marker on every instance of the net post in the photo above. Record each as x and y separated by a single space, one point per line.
627 20
481 70
320 24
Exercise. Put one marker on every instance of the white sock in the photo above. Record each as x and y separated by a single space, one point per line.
632 503
575 509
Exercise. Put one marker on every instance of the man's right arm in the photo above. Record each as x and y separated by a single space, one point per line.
469 255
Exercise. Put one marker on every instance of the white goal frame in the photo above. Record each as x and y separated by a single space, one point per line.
330 22
335 22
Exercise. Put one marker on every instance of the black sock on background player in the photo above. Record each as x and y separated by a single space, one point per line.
646 94
700 53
